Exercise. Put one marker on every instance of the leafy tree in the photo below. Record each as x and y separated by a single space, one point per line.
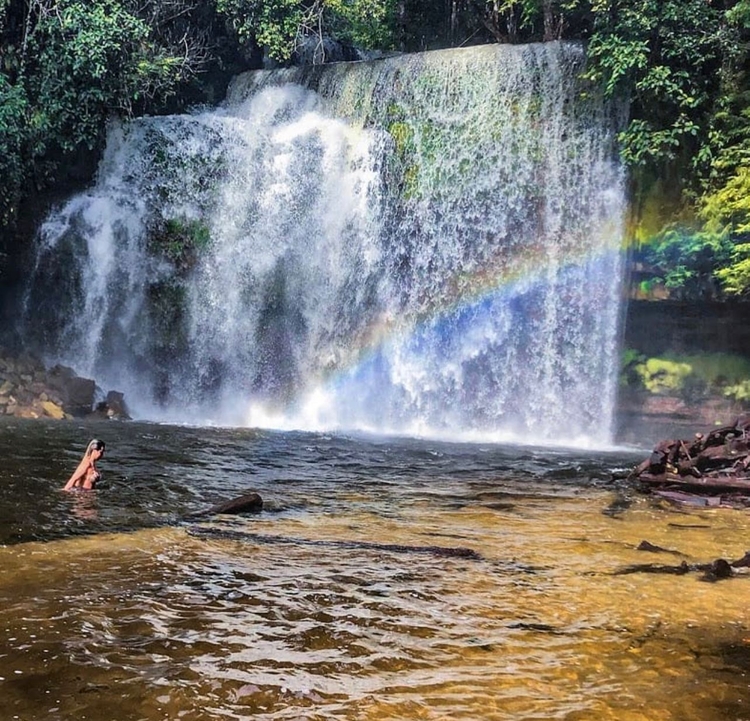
281 26
688 260
66 66
725 204
85 62
13 111
524 20
364 23
683 63
735 277
270 24
665 55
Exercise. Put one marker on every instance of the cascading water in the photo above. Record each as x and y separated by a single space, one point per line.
426 244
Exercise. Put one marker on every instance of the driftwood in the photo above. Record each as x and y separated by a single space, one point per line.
714 465
713 571
651 548
440 551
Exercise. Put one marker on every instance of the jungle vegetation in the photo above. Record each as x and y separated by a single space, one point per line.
68 66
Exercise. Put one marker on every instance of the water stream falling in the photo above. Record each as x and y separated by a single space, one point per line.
426 244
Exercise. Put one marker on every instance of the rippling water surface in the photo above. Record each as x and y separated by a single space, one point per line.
385 579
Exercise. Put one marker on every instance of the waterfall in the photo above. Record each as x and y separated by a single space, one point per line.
425 244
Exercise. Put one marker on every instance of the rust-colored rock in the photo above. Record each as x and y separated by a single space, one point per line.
716 463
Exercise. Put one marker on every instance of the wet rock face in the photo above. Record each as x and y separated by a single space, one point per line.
77 393
29 390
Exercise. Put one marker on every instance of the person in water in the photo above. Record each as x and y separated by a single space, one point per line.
86 476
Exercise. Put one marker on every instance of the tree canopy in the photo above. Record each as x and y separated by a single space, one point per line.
67 66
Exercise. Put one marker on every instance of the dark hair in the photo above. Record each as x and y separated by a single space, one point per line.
94 445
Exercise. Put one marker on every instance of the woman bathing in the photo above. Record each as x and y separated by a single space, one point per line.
86 476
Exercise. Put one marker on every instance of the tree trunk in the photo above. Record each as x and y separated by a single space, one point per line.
454 22
549 21
401 25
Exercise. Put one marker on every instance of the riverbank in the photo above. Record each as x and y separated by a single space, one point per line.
29 389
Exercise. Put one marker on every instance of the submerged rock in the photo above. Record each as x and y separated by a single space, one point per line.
112 407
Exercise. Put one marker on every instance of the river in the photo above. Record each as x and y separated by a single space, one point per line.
336 601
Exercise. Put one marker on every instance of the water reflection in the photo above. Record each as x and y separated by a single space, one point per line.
84 505
130 614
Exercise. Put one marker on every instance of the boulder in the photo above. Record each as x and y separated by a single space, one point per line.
116 407
27 390
77 393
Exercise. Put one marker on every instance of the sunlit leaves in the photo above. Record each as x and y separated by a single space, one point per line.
736 277
66 66
688 259
279 26
271 24
666 56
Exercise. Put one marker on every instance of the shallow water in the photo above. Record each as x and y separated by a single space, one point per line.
336 602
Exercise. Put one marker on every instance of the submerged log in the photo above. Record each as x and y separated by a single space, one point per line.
689 499
677 570
715 570
441 551
715 481
249 502
651 548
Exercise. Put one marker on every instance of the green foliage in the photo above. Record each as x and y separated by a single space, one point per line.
85 62
735 278
180 241
665 55
730 204
364 23
271 24
629 361
721 373
738 391
689 260
630 356
726 211
279 26
662 376
739 15
13 112
683 63
719 369
66 67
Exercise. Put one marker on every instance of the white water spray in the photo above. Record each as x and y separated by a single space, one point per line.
424 245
